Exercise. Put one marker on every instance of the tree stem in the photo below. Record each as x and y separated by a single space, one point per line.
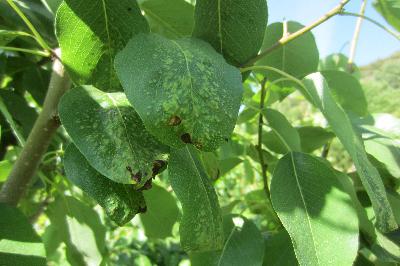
39 139
288 38
264 166
354 42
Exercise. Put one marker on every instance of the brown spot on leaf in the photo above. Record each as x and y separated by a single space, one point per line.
186 138
142 209
158 167
174 121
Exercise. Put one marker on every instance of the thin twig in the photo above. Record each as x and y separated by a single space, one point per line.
39 139
354 42
264 166
393 33
288 38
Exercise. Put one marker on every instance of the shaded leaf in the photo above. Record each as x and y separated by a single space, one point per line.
7 36
19 243
90 40
110 134
298 58
121 202
244 244
171 18
201 225
234 28
285 134
318 92
313 138
390 10
305 197
279 250
80 228
183 90
347 91
338 62
162 213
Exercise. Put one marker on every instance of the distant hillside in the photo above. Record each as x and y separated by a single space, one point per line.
381 82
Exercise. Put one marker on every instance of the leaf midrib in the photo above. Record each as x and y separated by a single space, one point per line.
305 207
109 42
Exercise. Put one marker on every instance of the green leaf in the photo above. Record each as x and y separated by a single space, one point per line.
162 213
386 151
244 244
227 165
347 91
5 169
7 36
79 228
317 90
19 243
234 28
279 250
258 203
305 197
338 62
110 134
298 58
285 134
91 33
121 202
171 18
201 225
390 10
183 90
313 138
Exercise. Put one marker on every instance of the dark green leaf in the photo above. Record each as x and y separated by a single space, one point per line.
298 58
285 134
171 18
91 33
7 36
121 202
201 225
313 138
390 10
19 243
279 250
229 164
234 28
80 228
258 203
305 196
162 213
317 90
110 134
244 244
347 91
183 90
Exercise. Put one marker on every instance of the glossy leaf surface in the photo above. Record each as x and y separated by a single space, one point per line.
183 90
305 197
317 91
91 33
110 134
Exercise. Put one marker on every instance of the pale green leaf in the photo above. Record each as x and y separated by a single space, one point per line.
19 243
313 138
183 90
79 228
305 196
110 134
316 89
91 33
347 91
390 10
162 213
234 28
121 202
299 57
171 18
338 62
5 169
386 151
201 225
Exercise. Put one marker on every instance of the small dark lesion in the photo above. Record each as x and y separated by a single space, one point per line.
186 138
129 9
137 177
142 209
158 167
174 121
